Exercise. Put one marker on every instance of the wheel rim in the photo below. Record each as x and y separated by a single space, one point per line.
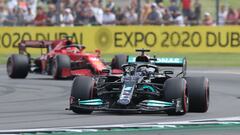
185 102
185 99
9 67
54 69
207 95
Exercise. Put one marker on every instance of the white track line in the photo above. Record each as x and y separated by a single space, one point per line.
226 120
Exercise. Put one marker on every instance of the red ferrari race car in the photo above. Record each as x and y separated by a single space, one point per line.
59 58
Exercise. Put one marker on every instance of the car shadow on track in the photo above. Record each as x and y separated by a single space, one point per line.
52 79
103 113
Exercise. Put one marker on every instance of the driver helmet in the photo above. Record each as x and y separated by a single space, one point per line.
68 41
142 59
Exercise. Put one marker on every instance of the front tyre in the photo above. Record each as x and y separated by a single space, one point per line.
60 63
175 88
83 89
198 88
18 66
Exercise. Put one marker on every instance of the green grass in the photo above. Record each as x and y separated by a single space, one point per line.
202 59
194 59
3 58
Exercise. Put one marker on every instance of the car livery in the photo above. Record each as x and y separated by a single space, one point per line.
146 85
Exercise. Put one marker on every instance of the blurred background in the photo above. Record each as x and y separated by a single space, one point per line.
119 12
70 13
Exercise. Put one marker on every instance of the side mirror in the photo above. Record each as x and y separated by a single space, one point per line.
168 72
153 59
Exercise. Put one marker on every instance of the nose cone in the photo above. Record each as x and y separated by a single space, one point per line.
123 101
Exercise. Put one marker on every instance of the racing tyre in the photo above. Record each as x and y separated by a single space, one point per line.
82 88
60 62
175 88
198 88
118 61
50 66
17 66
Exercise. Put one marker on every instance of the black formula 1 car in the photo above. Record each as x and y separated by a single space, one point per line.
146 85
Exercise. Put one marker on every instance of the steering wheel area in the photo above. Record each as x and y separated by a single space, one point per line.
80 47
129 68
73 48
143 70
147 69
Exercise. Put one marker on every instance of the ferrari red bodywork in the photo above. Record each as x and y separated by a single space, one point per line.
73 61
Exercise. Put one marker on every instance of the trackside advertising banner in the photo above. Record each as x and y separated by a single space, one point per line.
125 39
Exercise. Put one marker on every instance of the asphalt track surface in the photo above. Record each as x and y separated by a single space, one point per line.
39 102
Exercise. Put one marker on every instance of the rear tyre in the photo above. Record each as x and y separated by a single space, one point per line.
18 66
118 61
50 66
198 88
175 88
82 88
60 62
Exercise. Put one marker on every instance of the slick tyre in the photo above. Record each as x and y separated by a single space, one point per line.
60 62
50 66
18 66
118 61
175 88
83 89
198 88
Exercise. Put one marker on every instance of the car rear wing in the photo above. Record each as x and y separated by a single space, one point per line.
33 44
173 62
170 62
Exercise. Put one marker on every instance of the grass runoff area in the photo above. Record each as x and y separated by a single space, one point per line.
200 59
194 59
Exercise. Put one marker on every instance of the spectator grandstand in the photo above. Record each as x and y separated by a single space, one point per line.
111 12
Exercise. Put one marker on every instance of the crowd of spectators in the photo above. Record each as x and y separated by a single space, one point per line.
97 12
